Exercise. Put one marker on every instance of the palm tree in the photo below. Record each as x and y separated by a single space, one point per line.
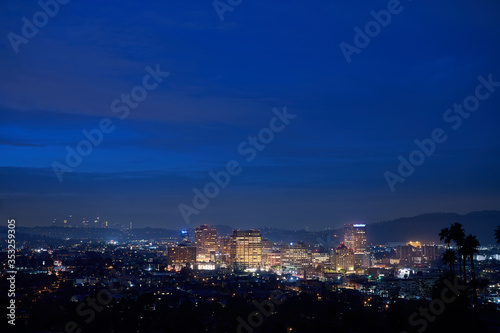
445 236
497 234
461 261
450 258
470 248
457 231
457 234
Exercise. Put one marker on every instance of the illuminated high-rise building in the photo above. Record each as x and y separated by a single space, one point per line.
225 250
362 259
246 249
267 247
355 237
430 252
273 259
342 258
206 242
415 253
295 256
408 253
182 254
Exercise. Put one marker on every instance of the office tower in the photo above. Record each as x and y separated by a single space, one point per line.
415 253
206 242
295 256
320 258
362 259
225 250
355 237
182 254
246 249
342 258
408 253
267 247
274 259
430 252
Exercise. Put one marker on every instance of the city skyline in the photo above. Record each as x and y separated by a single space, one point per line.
147 280
423 227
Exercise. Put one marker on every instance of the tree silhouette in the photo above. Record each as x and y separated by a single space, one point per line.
470 246
457 234
445 236
497 234
450 258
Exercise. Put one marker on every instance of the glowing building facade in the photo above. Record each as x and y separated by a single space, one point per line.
246 249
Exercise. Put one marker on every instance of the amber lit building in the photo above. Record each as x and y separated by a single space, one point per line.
273 259
415 253
182 254
246 249
206 242
225 250
295 256
355 237
342 258
267 247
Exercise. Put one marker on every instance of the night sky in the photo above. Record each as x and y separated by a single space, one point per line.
324 168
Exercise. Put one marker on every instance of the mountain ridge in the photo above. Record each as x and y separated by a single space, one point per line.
424 228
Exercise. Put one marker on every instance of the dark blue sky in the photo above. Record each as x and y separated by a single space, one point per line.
324 169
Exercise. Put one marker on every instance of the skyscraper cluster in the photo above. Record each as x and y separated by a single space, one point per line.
247 250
